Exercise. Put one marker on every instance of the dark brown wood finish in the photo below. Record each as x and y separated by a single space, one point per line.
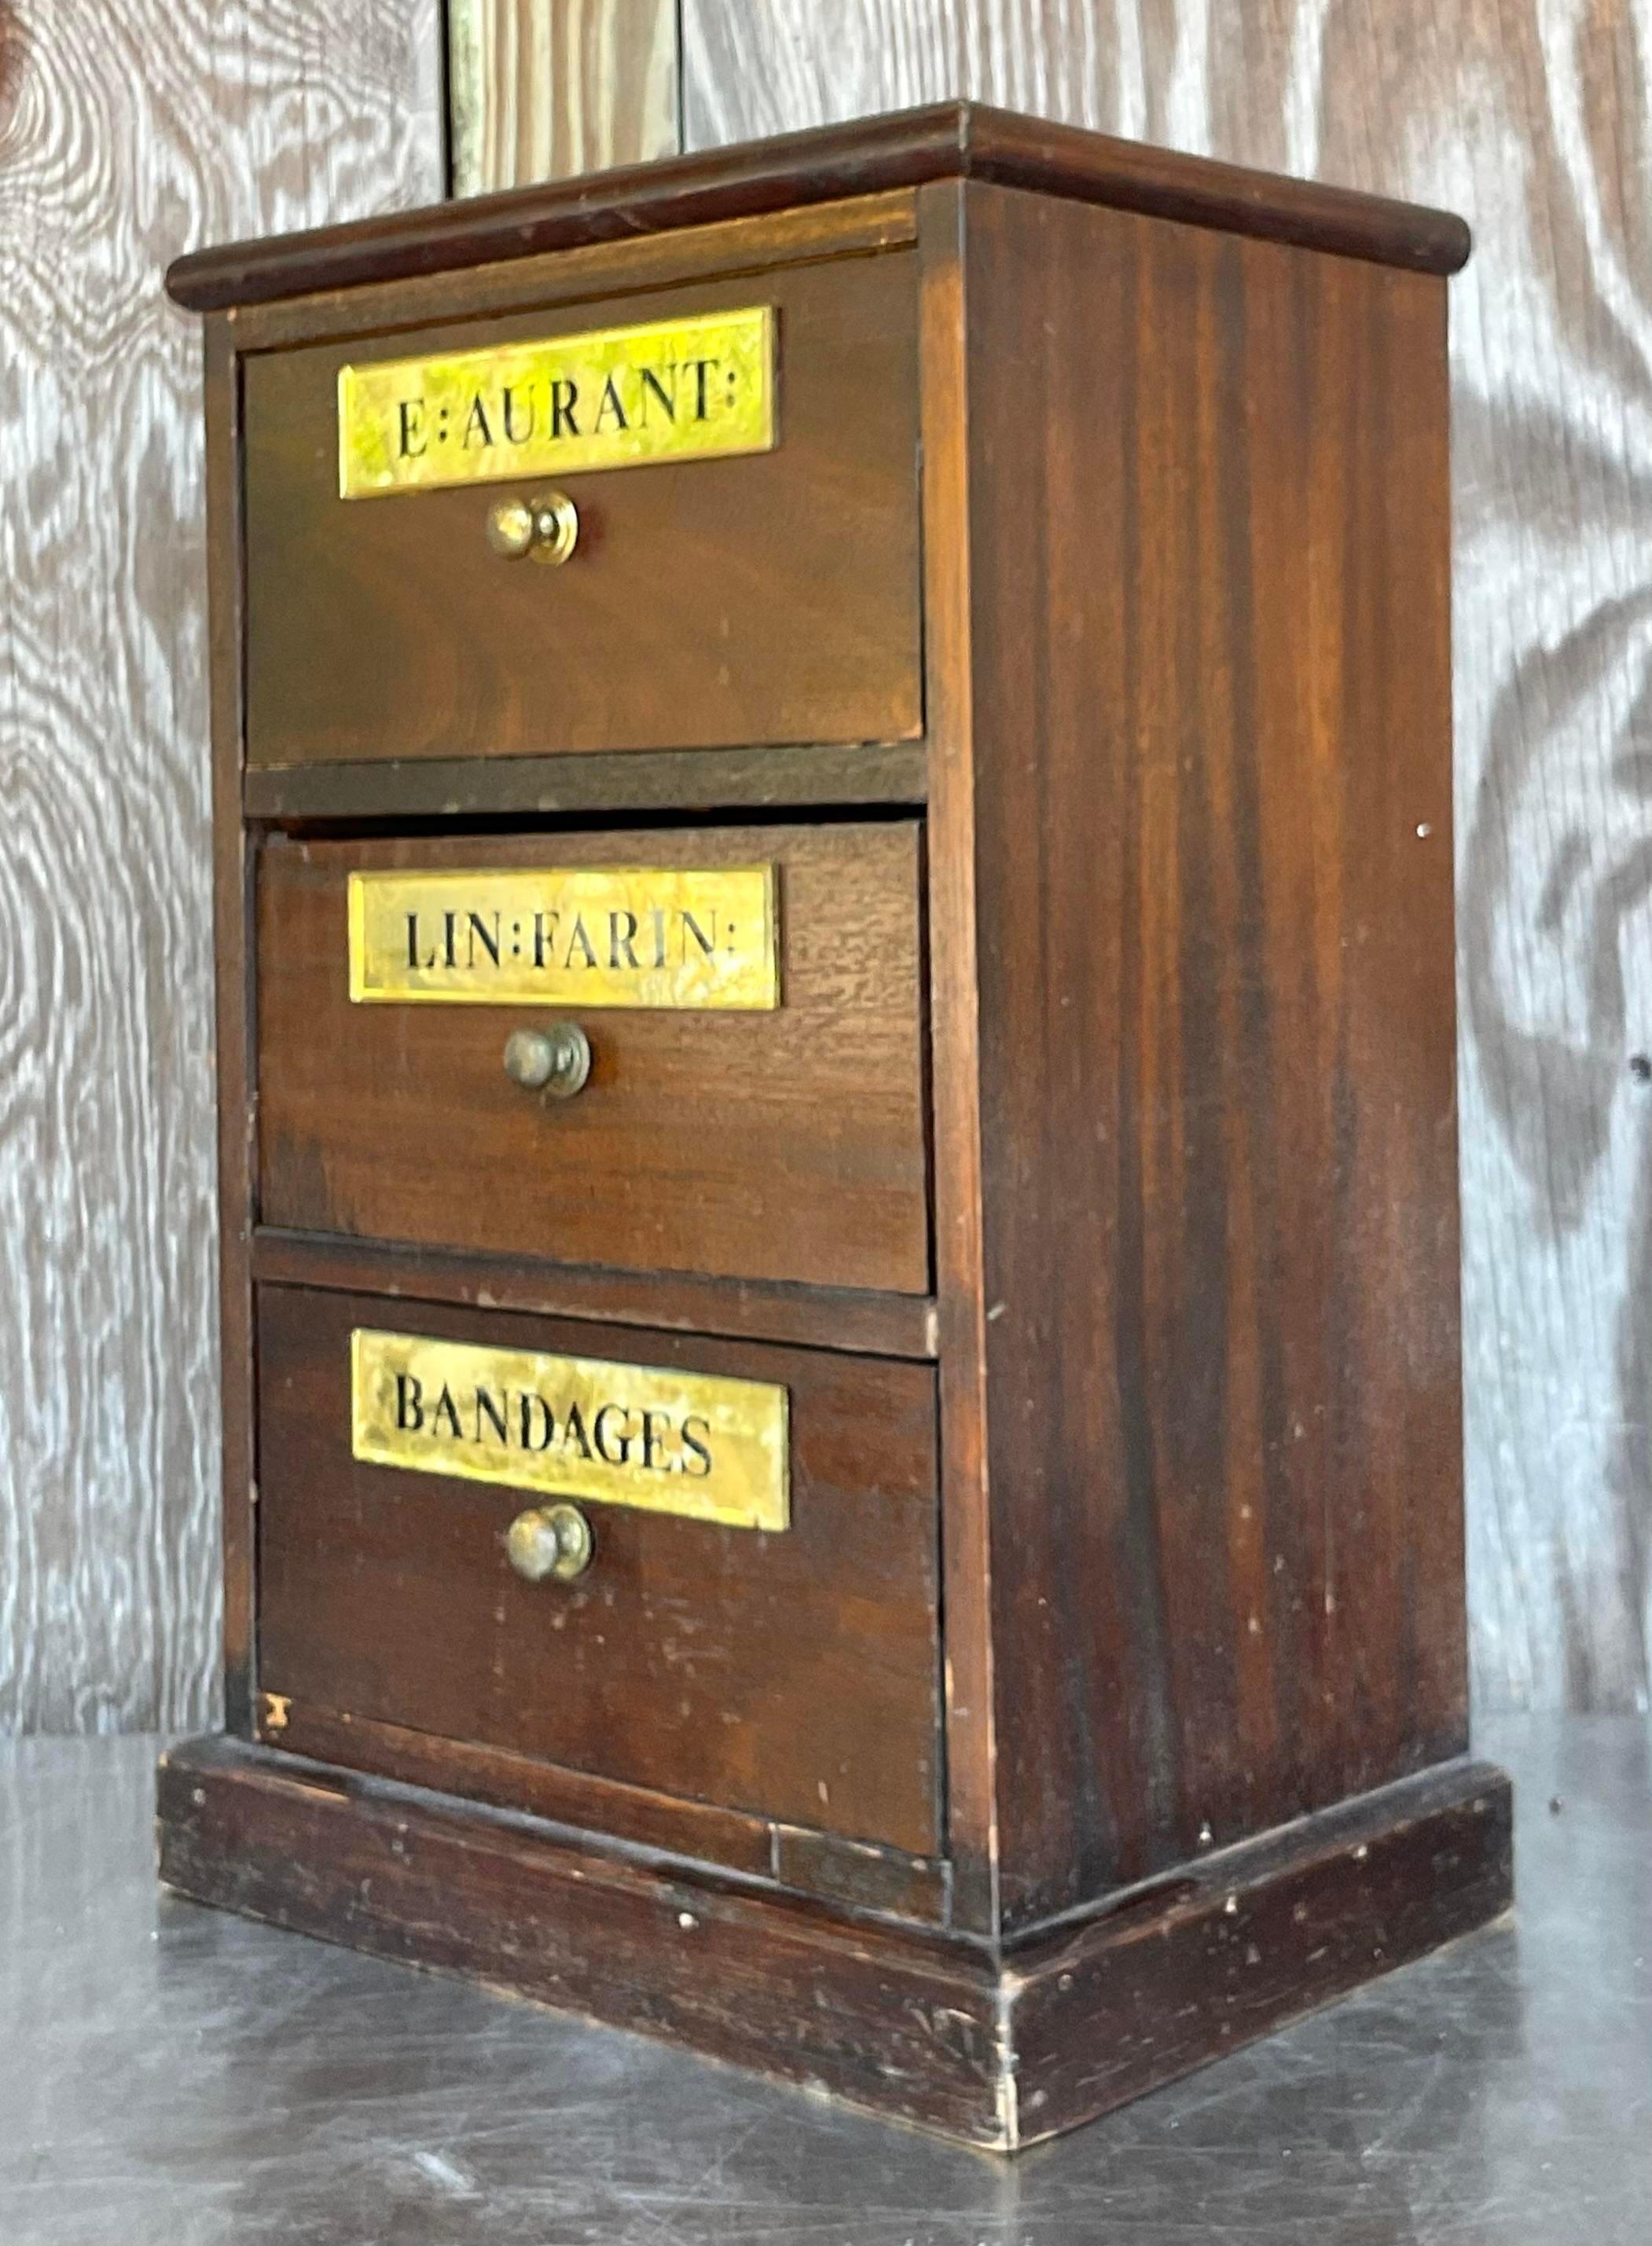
972 1745
794 1675
936 2030
853 1873
861 1877
709 603
638 1816
633 780
1217 1064
1091 1194
635 263
1186 1969
949 140
233 860
786 1145
819 1317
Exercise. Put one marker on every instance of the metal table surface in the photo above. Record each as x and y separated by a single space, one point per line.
169 2075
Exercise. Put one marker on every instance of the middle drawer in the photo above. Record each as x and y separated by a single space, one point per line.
785 1142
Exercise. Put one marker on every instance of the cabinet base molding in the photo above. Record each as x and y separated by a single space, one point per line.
997 2049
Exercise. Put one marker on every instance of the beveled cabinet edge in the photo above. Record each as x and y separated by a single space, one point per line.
970 1748
559 279
947 141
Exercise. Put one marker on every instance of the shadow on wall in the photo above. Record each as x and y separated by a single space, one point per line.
1554 1090
1556 875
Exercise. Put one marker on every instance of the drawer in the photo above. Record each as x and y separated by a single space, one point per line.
791 1672
785 1143
709 602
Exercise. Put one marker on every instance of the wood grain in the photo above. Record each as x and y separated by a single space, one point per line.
682 780
539 89
562 245
633 1815
782 1144
1185 482
997 2050
972 1744
1217 1061
819 1317
128 136
788 174
1530 118
794 1675
771 597
1521 116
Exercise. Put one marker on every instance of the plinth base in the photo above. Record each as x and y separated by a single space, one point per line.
998 2050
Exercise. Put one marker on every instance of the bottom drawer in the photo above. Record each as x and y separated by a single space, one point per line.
791 1672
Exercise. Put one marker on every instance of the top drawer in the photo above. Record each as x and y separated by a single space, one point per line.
709 603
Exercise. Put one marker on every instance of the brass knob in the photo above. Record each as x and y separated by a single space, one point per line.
555 1061
550 1540
545 528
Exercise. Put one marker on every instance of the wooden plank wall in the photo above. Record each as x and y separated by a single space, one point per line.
1530 116
128 133
540 89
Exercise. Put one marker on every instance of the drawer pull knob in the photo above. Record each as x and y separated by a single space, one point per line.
544 529
550 1540
556 1061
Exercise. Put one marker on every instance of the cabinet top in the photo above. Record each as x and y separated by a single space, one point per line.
949 140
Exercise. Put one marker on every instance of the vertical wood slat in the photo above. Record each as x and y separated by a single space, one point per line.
1529 117
542 89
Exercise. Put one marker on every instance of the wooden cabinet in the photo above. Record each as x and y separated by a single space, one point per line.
841 1416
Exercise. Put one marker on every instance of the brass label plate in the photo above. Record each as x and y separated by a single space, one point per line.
618 398
664 937
640 1435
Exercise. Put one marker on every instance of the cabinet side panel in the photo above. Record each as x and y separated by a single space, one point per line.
1214 884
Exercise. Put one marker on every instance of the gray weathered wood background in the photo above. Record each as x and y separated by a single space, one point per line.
179 123
130 130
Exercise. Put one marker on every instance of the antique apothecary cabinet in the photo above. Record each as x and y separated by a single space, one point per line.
837 1071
